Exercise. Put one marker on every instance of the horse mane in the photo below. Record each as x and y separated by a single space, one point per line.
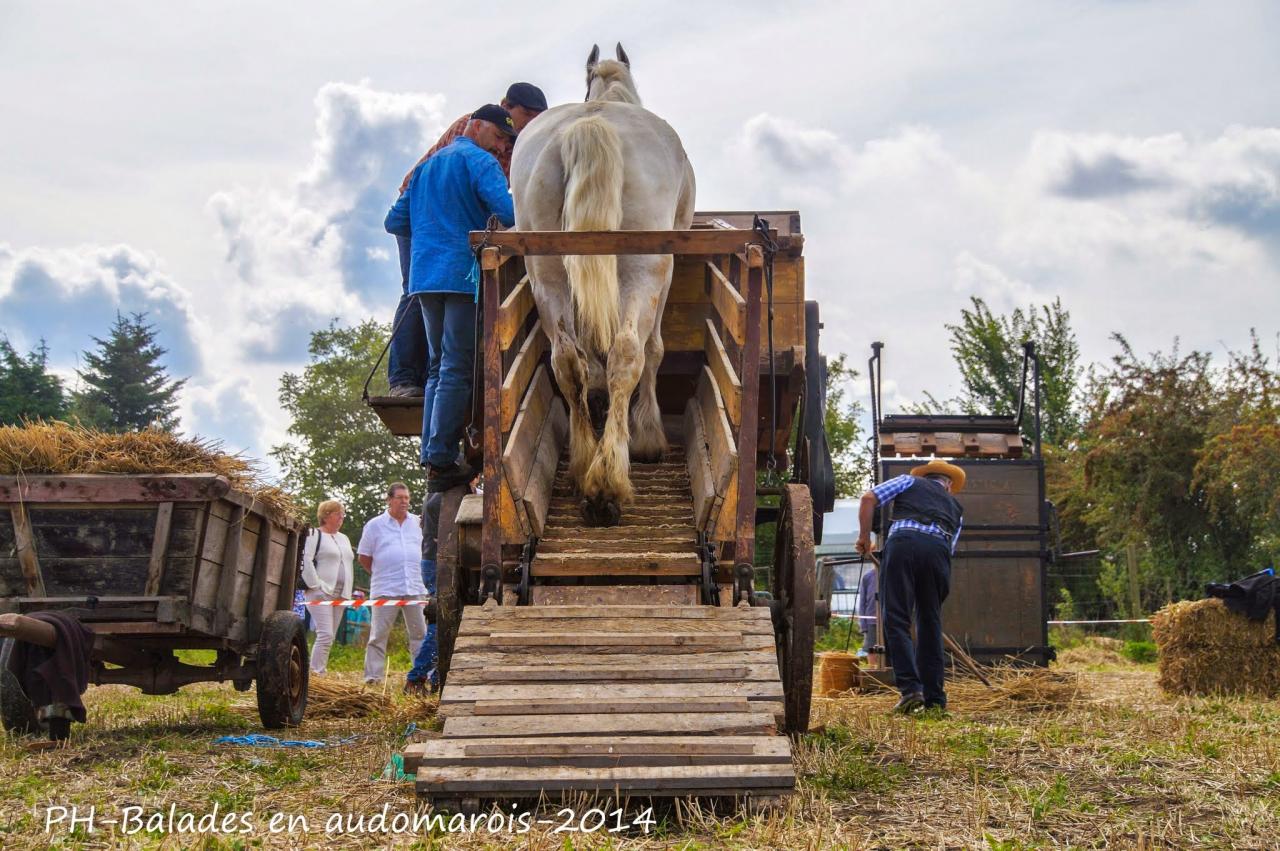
611 80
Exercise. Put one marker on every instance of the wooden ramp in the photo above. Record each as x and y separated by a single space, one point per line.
620 700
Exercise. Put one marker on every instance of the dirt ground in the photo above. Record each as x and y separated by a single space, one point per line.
1094 756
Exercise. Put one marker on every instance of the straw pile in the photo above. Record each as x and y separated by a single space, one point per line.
837 672
1206 649
330 698
58 448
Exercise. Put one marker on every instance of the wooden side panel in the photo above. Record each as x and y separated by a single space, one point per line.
522 442
518 377
701 481
551 444
11 580
512 314
725 375
723 452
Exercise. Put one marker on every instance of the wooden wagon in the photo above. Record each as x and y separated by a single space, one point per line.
153 564
640 658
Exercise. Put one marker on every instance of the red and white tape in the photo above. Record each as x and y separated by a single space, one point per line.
355 604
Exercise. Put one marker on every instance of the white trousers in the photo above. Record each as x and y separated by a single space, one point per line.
324 620
383 618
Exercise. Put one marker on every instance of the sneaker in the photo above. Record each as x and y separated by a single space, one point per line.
406 390
441 479
909 704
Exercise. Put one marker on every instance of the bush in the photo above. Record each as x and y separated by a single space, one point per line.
1142 652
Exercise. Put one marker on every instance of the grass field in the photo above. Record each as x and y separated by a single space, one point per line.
1106 760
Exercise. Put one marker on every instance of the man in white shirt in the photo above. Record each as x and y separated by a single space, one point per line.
391 550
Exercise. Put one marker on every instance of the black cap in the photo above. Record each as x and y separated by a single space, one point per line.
527 95
497 116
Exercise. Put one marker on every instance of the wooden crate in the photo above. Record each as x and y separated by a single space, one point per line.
179 556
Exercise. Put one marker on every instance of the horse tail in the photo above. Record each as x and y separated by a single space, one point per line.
592 155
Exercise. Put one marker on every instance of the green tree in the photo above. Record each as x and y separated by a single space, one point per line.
126 386
845 436
988 351
28 391
339 448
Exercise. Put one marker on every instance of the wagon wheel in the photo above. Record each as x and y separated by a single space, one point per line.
16 711
448 580
794 578
283 671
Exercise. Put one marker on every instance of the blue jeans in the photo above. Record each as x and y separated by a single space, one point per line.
424 664
450 322
916 578
407 359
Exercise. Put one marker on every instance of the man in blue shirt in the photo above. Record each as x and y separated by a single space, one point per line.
451 194
916 574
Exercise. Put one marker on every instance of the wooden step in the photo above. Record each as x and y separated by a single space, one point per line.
566 545
640 700
616 564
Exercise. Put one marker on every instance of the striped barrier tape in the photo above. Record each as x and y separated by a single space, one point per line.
356 604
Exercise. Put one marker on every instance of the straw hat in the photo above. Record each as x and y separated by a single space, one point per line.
938 467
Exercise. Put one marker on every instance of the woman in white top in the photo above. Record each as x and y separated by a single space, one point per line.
327 573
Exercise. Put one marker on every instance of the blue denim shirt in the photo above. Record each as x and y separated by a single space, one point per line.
451 194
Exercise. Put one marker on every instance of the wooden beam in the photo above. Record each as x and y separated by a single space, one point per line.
517 380
159 548
228 575
560 243
99 488
724 374
748 432
494 483
24 542
522 442
513 312
728 303
728 723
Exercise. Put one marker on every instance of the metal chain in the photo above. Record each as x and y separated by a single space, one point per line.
770 247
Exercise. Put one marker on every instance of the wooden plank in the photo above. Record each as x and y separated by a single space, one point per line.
614 625
495 484
499 780
537 692
607 595
607 706
159 547
229 575
722 640
522 443
559 243
542 473
616 564
638 610
520 374
662 672
721 447
483 656
105 488
24 544
513 312
639 724
587 751
259 573
725 376
728 303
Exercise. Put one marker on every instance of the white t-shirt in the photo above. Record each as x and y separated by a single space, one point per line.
326 563
396 549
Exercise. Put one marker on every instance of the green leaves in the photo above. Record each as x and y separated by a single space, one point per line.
126 387
28 391
339 449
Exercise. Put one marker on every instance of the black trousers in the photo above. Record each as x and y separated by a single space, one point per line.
915 580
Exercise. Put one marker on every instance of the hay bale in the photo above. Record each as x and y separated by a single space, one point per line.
1207 649
837 672
59 449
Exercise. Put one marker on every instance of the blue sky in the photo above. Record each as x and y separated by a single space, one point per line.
226 166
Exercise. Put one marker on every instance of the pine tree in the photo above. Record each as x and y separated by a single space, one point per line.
28 391
127 387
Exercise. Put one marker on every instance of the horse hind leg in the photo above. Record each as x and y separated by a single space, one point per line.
648 438
607 486
570 367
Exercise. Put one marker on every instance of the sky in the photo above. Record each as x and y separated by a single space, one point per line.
225 167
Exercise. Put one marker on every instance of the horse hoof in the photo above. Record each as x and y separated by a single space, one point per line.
599 511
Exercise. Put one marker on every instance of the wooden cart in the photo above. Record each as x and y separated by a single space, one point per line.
636 659
153 564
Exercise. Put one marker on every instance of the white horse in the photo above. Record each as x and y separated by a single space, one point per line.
606 164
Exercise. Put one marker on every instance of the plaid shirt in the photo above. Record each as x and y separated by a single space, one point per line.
886 491
447 138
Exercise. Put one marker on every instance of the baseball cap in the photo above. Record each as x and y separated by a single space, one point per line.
497 116
527 95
